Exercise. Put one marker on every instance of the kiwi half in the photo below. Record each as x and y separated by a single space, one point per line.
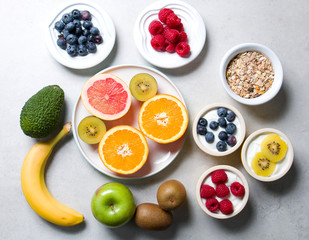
273 147
262 166
91 129
143 86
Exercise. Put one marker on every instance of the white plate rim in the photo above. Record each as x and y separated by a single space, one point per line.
124 177
139 39
96 58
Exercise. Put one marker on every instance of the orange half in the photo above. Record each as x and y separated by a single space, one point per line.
123 149
163 118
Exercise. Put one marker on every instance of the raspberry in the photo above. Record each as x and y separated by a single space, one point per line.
183 37
163 13
170 47
222 190
207 191
219 176
183 49
226 206
237 189
180 27
172 21
212 204
155 27
171 35
158 42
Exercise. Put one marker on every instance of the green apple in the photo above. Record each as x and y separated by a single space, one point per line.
113 204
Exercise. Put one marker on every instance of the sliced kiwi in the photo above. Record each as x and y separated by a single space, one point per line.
273 147
143 86
91 129
262 166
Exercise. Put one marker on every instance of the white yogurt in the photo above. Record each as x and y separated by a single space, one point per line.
232 177
255 146
213 116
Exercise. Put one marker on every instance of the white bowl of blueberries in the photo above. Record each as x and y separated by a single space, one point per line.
219 129
80 35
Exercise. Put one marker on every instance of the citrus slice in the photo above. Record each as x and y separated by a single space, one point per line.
106 96
123 149
163 118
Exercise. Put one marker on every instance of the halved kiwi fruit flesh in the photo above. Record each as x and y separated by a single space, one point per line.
262 166
143 86
273 147
91 129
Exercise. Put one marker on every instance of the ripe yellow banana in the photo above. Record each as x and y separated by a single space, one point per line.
35 190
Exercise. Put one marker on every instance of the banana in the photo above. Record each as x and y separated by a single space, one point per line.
35 190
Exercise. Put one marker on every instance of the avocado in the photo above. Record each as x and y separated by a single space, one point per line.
42 113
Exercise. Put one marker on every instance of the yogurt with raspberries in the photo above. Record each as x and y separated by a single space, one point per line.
213 116
232 177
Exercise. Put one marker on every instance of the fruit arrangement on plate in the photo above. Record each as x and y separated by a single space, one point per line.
130 122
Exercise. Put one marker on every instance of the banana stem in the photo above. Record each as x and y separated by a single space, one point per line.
65 130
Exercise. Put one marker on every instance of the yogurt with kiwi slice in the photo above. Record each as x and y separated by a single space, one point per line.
210 116
255 146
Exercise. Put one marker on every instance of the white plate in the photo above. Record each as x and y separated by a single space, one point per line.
160 155
193 25
100 19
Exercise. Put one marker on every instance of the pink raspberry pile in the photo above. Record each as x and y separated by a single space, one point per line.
168 34
219 178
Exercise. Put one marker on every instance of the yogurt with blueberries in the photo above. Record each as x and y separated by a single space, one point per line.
218 129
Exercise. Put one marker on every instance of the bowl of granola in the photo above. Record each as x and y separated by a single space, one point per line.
251 73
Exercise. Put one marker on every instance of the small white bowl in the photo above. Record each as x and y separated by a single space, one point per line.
248 151
233 175
210 148
278 72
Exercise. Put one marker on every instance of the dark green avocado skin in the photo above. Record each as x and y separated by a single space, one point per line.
42 113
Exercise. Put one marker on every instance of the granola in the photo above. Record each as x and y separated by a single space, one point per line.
250 74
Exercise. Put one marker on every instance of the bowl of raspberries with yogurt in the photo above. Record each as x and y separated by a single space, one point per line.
222 191
219 129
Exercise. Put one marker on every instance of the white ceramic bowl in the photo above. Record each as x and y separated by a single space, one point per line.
233 175
251 147
278 72
210 148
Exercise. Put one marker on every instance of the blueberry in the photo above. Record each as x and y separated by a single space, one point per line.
230 128
222 112
86 15
87 24
221 146
66 18
82 50
202 121
90 38
98 39
70 26
65 33
77 23
86 32
210 137
92 47
78 31
59 26
222 122
201 130
231 140
61 42
82 40
71 39
222 135
72 50
230 116
94 30
213 125
76 14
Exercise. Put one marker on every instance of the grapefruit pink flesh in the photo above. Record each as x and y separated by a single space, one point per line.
106 96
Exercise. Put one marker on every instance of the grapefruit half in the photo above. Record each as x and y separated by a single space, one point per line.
106 96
